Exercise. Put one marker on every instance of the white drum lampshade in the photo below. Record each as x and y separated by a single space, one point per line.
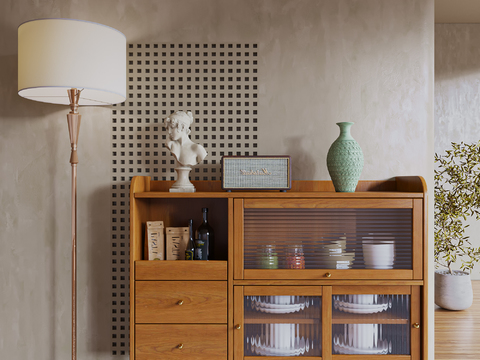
55 55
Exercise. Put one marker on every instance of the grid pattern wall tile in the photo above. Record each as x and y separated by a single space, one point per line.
219 84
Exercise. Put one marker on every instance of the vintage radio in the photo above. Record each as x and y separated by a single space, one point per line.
256 173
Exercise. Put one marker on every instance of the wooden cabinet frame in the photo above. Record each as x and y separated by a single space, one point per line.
151 200
241 291
328 203
326 292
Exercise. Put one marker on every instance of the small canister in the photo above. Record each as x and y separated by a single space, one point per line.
295 257
267 257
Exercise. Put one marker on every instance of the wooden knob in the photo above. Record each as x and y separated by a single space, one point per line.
180 302
416 325
328 274
180 346
238 326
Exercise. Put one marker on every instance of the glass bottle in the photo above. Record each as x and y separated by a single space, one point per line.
205 233
190 249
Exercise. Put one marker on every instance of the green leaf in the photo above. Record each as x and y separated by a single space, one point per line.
457 199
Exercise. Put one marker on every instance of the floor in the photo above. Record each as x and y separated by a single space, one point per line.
457 333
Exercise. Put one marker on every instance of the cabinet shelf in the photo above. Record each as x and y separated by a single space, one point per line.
276 194
339 317
286 320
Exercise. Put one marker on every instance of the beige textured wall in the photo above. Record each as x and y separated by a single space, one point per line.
457 101
321 61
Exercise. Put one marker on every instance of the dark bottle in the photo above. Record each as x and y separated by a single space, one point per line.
190 249
205 234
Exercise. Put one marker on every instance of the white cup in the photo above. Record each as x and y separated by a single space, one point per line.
378 255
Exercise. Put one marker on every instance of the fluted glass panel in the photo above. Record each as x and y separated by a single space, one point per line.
282 325
371 324
328 238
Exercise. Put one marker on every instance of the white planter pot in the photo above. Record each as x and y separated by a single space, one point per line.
453 292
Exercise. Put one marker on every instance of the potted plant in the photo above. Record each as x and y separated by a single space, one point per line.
457 198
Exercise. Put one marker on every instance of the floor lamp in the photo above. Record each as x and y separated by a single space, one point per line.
75 63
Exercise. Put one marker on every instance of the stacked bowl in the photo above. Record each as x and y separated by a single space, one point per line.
331 254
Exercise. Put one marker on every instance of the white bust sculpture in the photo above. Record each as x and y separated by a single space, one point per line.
185 151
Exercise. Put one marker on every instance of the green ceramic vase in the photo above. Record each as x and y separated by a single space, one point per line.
345 160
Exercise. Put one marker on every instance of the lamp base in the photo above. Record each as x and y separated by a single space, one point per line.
183 183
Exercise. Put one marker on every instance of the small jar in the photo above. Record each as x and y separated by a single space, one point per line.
295 257
267 257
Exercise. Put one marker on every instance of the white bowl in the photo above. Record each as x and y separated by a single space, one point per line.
378 255
367 299
280 340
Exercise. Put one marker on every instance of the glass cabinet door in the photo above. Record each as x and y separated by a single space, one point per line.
278 321
361 234
376 322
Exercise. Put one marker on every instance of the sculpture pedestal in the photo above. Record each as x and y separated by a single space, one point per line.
183 183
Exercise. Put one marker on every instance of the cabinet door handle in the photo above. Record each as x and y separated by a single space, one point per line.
416 325
238 326
180 346
180 302
328 275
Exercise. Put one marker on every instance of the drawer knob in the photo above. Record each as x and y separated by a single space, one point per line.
416 325
180 346
238 326
328 275
180 302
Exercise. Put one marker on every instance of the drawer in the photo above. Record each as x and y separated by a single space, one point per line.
180 302
180 270
199 342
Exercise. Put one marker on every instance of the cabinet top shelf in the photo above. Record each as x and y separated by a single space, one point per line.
399 187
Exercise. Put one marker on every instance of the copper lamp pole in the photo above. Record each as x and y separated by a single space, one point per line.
73 119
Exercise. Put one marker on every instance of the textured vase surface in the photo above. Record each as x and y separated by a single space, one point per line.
453 292
345 160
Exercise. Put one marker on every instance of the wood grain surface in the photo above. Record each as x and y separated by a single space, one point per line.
172 342
457 333
181 302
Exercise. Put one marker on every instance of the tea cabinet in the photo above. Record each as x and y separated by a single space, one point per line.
308 273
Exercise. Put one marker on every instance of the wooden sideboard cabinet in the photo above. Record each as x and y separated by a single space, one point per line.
308 273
